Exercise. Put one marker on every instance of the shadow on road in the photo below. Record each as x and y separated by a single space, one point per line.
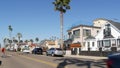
80 63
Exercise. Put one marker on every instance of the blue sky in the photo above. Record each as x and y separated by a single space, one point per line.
37 18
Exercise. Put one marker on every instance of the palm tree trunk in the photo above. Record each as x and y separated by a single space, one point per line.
61 28
10 39
18 40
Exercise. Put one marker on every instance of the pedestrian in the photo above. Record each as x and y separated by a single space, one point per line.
3 52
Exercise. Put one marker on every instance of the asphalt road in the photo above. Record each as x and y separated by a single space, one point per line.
18 60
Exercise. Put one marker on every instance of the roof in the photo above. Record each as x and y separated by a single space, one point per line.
116 24
83 26
33 45
100 19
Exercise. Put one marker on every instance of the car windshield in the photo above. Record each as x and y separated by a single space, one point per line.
58 49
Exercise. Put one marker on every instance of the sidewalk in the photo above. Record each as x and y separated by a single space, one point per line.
87 57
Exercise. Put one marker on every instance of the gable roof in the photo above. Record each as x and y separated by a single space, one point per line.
116 24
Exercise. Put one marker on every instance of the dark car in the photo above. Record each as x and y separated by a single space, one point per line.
37 51
113 60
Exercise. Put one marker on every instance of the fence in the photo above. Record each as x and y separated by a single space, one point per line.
93 53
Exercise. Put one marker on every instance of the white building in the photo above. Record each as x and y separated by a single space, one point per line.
108 38
78 34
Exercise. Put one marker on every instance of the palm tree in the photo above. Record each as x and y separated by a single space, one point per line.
61 6
19 35
5 41
10 31
36 39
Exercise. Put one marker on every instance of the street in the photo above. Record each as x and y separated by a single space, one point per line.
19 60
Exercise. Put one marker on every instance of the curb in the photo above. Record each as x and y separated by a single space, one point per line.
87 57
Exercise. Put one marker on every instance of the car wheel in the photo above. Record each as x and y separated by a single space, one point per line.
46 54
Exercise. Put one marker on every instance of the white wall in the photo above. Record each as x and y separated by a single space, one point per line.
114 33
92 48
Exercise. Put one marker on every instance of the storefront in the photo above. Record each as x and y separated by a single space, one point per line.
75 48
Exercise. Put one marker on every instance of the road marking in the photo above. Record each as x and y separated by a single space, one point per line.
42 61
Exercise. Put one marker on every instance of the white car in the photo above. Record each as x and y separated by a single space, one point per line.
26 51
55 51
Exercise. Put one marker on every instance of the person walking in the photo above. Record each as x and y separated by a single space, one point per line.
3 52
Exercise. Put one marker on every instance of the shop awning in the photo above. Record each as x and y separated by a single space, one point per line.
75 45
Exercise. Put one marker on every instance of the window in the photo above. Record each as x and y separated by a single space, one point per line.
86 32
76 33
97 31
93 44
70 35
52 48
118 42
113 42
88 44
107 43
107 30
100 43
83 43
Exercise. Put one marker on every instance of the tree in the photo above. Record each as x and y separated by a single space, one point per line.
61 6
15 41
36 39
31 40
5 41
21 41
10 31
19 35
26 41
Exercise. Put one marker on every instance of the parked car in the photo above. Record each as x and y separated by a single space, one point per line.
55 51
26 51
37 51
113 60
